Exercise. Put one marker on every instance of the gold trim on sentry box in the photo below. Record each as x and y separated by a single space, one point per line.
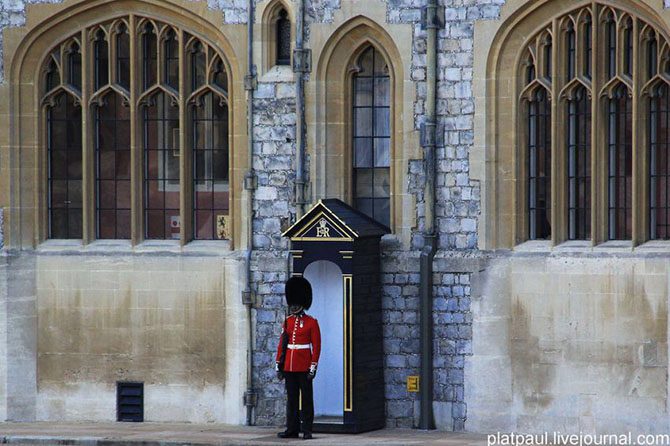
314 221
333 217
348 344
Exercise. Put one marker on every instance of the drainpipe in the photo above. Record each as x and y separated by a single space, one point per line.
299 68
250 396
428 138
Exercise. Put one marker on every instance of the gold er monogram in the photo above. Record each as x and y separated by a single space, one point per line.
323 230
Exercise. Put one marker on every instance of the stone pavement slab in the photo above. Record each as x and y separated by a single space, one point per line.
170 434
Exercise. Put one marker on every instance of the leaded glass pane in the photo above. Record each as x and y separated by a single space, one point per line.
113 173
65 170
539 166
209 115
579 166
371 136
198 66
620 158
171 60
659 162
101 64
52 75
123 57
149 56
363 152
283 39
161 176
74 66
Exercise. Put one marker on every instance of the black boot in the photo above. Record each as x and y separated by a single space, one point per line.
307 436
287 434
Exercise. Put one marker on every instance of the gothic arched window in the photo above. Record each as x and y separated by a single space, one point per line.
156 145
283 38
372 136
585 177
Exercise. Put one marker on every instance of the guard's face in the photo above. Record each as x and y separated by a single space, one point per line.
294 309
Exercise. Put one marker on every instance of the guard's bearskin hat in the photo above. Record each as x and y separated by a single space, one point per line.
298 292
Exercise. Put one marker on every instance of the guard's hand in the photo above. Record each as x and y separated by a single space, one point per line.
280 374
312 372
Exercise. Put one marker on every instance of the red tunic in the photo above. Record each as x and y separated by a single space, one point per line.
303 331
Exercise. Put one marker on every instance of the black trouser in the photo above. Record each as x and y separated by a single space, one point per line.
297 382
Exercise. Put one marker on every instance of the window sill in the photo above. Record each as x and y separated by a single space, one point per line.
615 246
58 245
583 246
108 247
534 246
215 247
654 246
574 246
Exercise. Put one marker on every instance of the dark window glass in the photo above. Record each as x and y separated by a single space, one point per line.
620 156
530 73
123 57
171 62
283 39
628 48
210 165
652 57
570 52
587 47
198 66
65 169
161 167
547 57
74 66
112 182
220 76
611 47
101 64
659 163
372 137
52 75
539 166
149 56
579 165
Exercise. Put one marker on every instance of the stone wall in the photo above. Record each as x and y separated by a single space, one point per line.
175 323
274 149
569 342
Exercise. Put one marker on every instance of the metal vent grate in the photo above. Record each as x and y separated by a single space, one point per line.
130 401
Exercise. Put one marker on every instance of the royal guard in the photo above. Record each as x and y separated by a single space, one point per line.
297 358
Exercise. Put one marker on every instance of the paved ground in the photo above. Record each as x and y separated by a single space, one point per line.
159 434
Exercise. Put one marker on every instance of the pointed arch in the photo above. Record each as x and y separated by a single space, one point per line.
336 68
27 219
271 13
591 71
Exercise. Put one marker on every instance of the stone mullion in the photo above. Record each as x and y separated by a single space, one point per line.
557 168
135 147
598 139
639 172
88 164
184 173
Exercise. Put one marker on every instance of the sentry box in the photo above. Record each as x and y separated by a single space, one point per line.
336 248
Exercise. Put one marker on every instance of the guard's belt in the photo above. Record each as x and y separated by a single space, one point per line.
298 346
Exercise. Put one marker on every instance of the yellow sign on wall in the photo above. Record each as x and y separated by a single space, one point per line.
413 384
